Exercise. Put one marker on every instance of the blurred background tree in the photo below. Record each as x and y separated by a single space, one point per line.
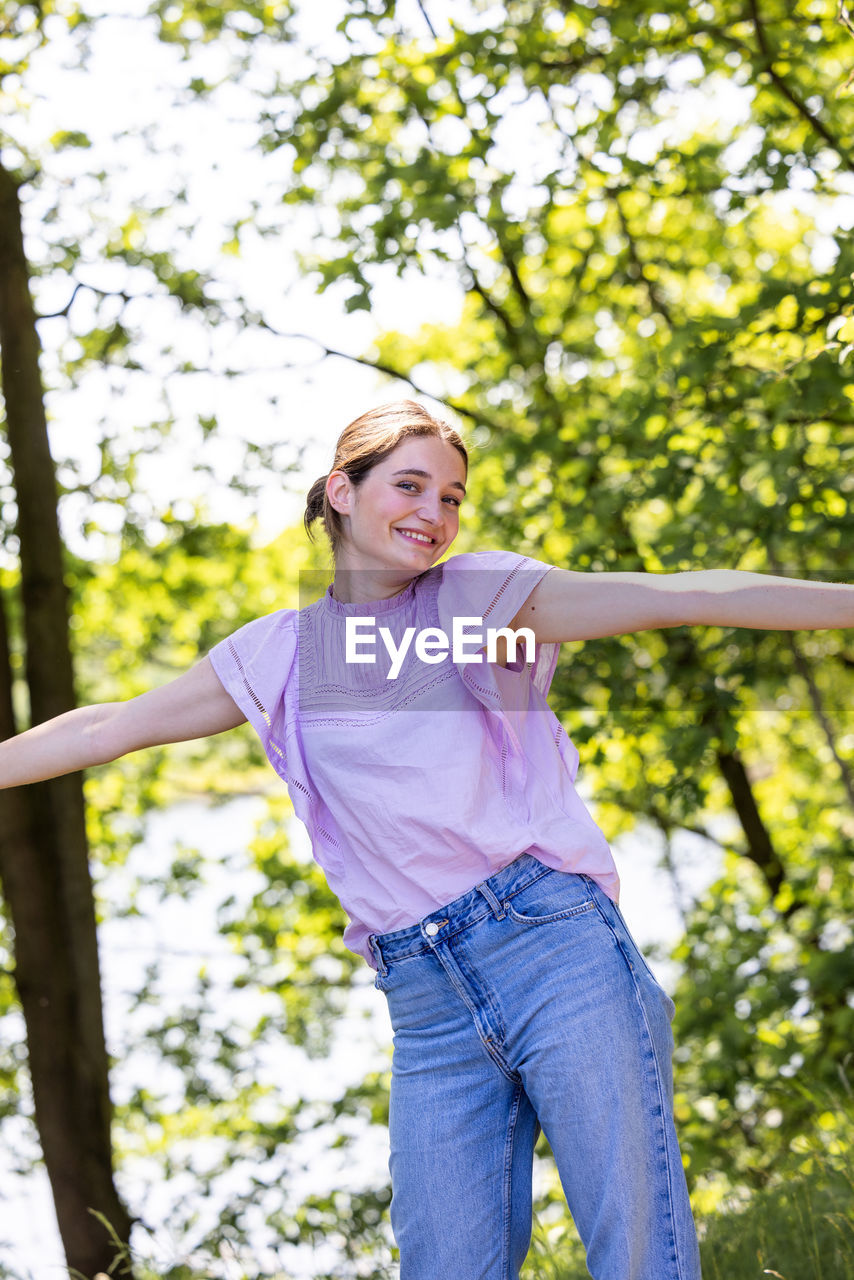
648 210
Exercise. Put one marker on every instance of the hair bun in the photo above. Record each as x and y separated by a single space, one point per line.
315 501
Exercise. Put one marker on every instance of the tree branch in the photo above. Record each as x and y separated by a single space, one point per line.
510 263
426 18
683 653
789 93
803 669
380 367
760 848
843 16
483 293
656 300
472 414
101 293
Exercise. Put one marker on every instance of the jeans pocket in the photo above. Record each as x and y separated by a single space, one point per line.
557 895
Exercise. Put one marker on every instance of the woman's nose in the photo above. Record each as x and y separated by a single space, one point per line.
430 509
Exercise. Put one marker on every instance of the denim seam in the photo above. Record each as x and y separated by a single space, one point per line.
662 1101
414 955
583 908
640 954
507 1206
460 982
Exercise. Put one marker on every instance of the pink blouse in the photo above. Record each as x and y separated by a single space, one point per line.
416 788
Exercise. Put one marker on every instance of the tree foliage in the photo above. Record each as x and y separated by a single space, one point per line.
642 206
642 211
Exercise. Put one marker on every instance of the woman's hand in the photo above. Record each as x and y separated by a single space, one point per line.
193 706
566 605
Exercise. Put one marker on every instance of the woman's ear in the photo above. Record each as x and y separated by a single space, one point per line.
339 491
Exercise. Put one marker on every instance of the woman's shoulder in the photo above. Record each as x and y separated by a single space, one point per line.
493 558
473 559
254 664
278 621
261 633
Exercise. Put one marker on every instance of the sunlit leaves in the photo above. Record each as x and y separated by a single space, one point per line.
654 347
193 22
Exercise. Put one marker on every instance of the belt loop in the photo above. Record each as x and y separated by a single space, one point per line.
377 953
497 908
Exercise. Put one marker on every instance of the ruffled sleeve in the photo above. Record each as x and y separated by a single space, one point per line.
255 665
493 586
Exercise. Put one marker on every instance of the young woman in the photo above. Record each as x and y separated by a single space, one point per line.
438 789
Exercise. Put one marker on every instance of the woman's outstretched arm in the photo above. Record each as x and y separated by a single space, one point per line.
566 605
193 706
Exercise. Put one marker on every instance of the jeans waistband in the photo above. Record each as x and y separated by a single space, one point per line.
445 921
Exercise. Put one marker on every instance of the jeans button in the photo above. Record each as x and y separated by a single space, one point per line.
431 929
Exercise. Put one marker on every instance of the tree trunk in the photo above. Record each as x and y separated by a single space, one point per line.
759 847
43 850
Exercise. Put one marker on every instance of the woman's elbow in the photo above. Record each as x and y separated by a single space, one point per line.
110 732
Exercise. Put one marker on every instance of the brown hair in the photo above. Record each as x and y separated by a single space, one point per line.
365 442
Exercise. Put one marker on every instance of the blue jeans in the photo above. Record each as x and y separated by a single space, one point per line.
525 1004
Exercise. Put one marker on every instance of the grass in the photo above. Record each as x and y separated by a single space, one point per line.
799 1228
802 1229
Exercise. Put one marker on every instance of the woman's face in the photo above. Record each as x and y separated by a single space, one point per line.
405 513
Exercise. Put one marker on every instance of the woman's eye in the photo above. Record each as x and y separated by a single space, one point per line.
410 484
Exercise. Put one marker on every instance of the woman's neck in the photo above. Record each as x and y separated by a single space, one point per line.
360 586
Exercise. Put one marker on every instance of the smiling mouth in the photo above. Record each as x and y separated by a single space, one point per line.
421 540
